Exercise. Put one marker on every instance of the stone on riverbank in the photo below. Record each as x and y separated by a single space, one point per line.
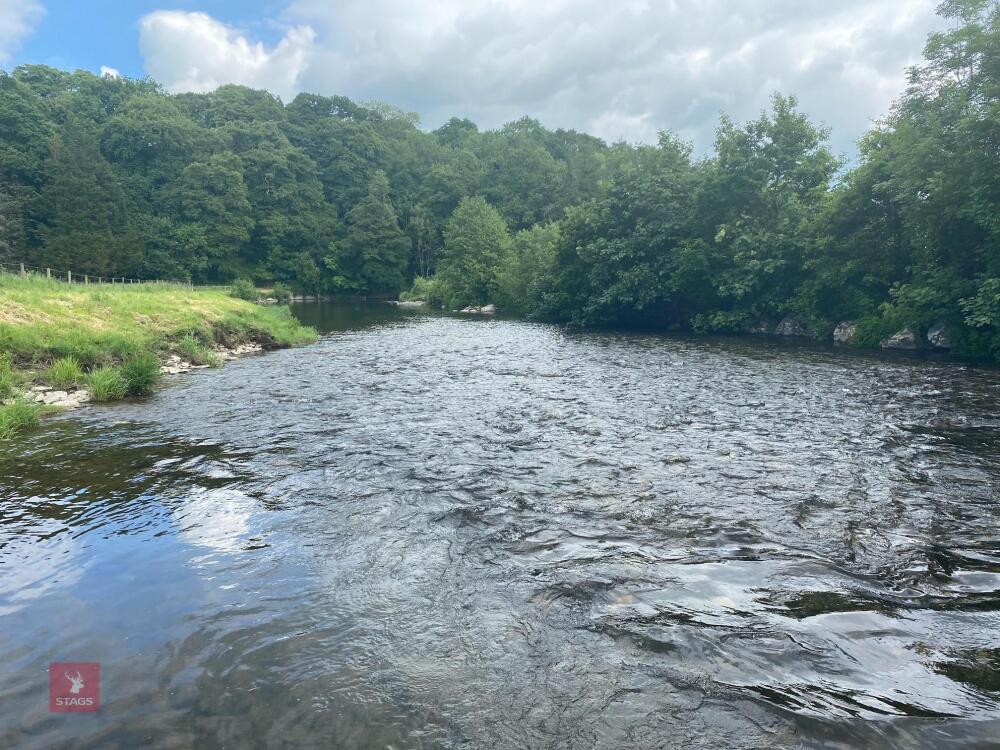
937 336
905 340
845 332
792 326
484 310
61 399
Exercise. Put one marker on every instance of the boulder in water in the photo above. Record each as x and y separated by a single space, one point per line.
905 340
792 326
937 336
845 332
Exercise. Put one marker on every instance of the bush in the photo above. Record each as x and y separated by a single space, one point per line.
65 373
244 289
141 373
107 384
18 415
424 289
282 293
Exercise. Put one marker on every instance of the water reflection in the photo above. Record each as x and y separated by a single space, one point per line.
432 531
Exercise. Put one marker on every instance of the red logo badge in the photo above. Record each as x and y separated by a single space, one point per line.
74 686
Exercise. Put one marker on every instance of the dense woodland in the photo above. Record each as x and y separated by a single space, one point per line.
110 176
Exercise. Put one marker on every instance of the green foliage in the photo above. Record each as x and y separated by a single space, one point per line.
17 416
194 350
282 293
372 257
10 381
141 373
116 177
475 242
525 273
244 289
64 373
425 289
107 384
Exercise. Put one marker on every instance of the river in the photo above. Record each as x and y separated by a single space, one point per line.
440 532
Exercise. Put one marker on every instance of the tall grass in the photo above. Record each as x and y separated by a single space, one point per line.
10 381
107 384
64 373
192 349
141 373
18 415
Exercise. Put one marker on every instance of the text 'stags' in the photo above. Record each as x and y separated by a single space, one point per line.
74 686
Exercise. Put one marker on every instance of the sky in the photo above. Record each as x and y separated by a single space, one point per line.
620 70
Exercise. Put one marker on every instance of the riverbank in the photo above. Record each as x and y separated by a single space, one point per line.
62 345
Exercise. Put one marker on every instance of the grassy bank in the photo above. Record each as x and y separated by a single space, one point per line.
111 339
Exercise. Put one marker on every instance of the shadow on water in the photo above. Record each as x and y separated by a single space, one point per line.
446 531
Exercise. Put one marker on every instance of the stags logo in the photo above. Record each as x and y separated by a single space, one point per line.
74 686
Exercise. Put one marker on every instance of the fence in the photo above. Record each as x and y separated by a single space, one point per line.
72 277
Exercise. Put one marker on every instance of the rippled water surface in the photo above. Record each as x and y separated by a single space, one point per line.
464 533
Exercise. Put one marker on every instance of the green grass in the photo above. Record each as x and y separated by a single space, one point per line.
18 415
10 381
141 373
107 383
43 320
118 334
192 349
65 373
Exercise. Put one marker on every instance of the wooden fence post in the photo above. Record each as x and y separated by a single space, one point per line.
69 276
86 279
48 273
22 270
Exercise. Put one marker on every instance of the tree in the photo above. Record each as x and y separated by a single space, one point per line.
210 203
475 242
373 256
82 211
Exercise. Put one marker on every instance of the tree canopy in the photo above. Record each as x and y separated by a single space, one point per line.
114 176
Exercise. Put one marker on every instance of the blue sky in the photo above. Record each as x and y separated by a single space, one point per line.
90 33
620 70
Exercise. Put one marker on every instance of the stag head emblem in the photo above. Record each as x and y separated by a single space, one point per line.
76 682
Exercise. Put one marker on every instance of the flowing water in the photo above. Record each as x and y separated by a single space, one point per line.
434 532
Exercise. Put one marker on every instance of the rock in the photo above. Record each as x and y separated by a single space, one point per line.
937 336
792 326
73 400
488 310
905 340
760 327
845 332
269 301
40 388
412 304
51 397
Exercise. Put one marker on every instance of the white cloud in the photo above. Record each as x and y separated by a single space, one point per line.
619 70
194 52
18 19
107 72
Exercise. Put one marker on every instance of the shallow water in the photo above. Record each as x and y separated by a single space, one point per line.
428 531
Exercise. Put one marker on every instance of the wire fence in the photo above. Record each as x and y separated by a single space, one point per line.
73 277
